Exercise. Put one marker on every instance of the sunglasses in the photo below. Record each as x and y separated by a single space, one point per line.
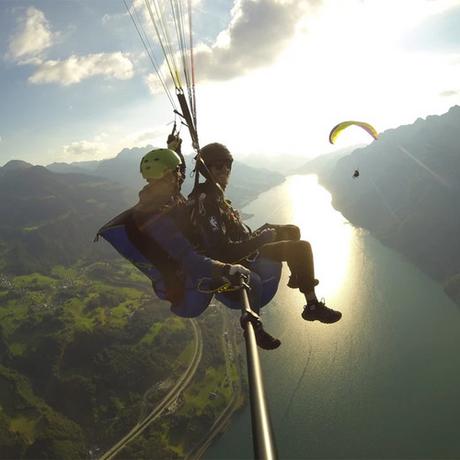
221 165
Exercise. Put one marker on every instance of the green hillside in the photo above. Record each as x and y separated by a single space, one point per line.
86 349
52 218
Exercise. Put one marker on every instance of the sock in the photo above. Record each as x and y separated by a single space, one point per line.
311 298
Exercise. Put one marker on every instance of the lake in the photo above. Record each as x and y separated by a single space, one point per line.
384 382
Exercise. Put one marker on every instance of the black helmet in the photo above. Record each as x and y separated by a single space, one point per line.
215 153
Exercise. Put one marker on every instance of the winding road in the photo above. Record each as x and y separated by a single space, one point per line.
181 384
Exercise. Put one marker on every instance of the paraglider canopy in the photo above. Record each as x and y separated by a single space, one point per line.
337 129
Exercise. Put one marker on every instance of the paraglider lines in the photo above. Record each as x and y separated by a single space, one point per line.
149 50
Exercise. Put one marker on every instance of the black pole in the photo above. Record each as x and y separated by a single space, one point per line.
262 432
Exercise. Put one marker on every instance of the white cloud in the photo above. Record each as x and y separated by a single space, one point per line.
85 150
107 143
106 19
154 85
258 32
32 37
449 93
78 68
155 136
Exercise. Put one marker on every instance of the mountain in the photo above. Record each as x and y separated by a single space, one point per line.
124 168
281 163
246 183
408 193
51 218
323 163
14 165
86 350
82 167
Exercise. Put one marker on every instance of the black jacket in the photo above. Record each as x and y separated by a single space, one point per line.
219 230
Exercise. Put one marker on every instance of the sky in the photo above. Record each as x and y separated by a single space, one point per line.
272 76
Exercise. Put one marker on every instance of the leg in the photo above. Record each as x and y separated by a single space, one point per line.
299 257
287 232
233 300
190 303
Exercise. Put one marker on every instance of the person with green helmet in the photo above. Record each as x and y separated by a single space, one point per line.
153 236
222 231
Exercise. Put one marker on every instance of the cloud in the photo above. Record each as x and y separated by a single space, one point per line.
154 84
32 37
77 68
85 150
438 31
158 135
155 136
449 93
258 32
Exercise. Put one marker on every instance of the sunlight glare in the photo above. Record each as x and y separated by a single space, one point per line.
331 243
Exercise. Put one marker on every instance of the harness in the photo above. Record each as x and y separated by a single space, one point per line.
145 254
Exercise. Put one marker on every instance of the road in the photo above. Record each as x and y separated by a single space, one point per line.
181 384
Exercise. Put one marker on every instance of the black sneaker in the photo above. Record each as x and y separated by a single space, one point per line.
293 282
319 311
264 339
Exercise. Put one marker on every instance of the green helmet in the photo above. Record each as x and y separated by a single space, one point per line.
156 163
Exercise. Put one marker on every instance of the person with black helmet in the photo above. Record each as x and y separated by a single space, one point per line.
224 236
153 236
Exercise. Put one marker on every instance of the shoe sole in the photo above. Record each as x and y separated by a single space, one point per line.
271 348
321 321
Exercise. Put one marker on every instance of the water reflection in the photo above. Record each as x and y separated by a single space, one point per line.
339 264
382 382
331 241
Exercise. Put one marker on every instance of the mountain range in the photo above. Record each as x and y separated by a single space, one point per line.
83 341
76 351
52 217
247 181
407 193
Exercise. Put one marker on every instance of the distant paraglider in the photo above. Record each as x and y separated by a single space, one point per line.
336 130
356 174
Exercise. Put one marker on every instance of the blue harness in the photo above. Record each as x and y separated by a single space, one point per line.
168 280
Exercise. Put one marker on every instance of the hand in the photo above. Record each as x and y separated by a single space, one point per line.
287 232
234 273
174 142
270 234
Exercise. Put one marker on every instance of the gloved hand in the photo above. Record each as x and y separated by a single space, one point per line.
287 232
266 234
174 142
233 273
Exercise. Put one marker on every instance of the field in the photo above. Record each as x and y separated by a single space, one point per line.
86 351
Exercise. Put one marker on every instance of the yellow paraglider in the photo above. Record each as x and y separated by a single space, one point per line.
336 130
